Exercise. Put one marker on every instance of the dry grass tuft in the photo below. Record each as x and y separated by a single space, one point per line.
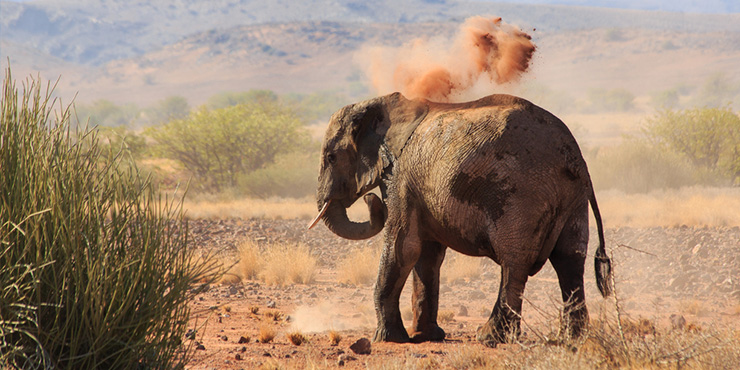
288 264
691 307
277 264
274 315
459 268
267 334
250 261
446 316
254 310
467 357
359 268
296 338
334 337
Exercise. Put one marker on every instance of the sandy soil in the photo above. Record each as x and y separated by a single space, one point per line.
687 271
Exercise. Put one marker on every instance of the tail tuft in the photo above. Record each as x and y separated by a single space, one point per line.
603 266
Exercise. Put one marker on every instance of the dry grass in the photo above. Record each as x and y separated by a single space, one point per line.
296 338
288 264
458 268
267 334
359 268
216 207
695 206
277 264
468 357
334 337
445 316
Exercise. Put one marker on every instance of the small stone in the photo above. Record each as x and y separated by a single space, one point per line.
266 354
271 304
361 346
243 340
463 311
238 357
677 321
224 338
243 349
233 290
313 295
340 363
200 347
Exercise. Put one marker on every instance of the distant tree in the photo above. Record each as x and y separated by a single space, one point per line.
217 146
708 137
612 100
106 113
231 98
171 108
718 91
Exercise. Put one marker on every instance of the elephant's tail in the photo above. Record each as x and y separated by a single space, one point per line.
602 263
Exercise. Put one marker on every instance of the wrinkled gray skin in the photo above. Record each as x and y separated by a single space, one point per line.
498 177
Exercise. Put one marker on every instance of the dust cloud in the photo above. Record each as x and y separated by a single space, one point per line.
328 316
485 52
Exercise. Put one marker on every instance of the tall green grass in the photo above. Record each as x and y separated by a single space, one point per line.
95 267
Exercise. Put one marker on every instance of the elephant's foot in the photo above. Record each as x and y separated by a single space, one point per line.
432 333
491 334
388 333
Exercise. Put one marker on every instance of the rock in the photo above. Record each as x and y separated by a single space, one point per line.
271 304
224 338
463 311
238 357
190 334
347 358
243 340
200 347
361 347
677 321
233 290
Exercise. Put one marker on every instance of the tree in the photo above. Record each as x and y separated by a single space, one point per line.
216 146
708 137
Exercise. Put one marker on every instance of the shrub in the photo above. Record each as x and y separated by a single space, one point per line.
96 271
292 175
708 137
613 100
635 166
217 146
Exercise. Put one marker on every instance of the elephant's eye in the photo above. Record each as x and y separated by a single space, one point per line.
331 158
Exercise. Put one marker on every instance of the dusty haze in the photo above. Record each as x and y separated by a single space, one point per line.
485 52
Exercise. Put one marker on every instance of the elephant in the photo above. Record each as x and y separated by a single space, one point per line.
498 177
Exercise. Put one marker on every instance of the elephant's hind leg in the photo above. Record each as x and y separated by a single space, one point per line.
506 315
568 259
425 299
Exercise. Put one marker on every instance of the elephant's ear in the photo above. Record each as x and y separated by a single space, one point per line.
403 116
390 119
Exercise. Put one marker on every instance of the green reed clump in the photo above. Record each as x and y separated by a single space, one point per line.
95 268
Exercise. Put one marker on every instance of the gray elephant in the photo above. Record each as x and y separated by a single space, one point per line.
498 177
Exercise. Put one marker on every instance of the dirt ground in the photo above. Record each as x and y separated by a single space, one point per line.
689 272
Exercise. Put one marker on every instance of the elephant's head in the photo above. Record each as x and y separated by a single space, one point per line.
361 142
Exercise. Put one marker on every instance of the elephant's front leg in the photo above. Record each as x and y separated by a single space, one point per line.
399 256
425 299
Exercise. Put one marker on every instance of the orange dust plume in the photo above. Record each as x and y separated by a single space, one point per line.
485 52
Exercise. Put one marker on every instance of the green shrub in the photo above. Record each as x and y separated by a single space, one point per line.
636 166
291 175
95 268
708 137
613 100
217 146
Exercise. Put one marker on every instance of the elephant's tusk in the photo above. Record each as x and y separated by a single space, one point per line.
321 214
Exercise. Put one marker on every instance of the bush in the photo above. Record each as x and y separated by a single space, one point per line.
636 166
614 100
292 175
708 137
217 146
95 268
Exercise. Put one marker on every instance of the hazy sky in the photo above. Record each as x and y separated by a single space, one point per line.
690 6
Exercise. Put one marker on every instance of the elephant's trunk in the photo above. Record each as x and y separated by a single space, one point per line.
335 217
